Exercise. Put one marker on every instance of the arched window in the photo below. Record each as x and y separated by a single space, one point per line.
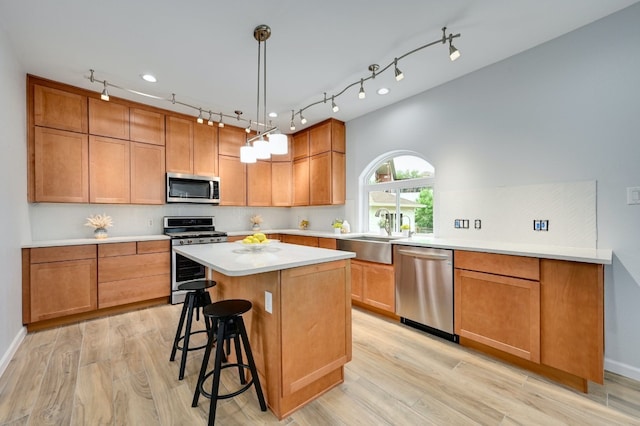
398 190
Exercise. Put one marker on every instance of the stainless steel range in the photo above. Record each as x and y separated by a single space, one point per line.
186 230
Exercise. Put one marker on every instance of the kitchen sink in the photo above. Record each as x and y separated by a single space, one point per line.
368 247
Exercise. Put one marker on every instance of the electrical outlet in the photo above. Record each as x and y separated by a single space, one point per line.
633 195
465 223
544 225
477 224
268 302
457 224
150 223
536 225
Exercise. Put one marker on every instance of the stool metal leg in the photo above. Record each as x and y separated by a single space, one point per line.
222 326
205 363
236 340
252 365
187 334
177 338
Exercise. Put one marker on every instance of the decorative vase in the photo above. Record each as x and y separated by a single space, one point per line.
405 232
337 230
100 233
255 227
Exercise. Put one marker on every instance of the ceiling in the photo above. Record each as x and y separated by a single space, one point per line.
206 54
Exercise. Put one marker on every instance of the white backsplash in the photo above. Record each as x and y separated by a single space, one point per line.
507 214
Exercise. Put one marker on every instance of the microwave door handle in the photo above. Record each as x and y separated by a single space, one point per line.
211 189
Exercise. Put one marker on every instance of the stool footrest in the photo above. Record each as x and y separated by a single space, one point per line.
227 395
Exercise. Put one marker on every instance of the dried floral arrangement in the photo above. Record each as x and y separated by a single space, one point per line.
99 221
256 219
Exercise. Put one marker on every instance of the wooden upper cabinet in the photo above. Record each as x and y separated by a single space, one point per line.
59 109
327 178
179 145
205 150
146 126
147 173
259 183
233 181
109 170
61 166
300 145
108 119
281 179
230 139
301 182
327 136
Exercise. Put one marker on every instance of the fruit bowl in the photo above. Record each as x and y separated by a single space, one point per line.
256 246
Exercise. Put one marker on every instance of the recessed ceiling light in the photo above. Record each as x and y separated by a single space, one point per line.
148 77
273 114
383 91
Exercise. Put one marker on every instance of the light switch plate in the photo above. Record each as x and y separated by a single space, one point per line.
633 195
268 302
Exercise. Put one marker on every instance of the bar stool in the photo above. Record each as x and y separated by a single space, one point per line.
196 298
227 317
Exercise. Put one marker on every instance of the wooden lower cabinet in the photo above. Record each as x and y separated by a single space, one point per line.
132 272
69 283
58 281
541 314
302 240
373 285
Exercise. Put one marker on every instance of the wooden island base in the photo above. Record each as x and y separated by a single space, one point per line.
301 346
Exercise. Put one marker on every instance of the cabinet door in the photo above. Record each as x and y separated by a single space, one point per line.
62 288
320 138
357 269
300 240
281 176
109 170
108 119
179 145
59 109
378 286
259 183
300 145
205 150
338 136
498 311
146 126
301 182
230 139
572 329
338 178
328 243
147 174
232 181
320 179
61 162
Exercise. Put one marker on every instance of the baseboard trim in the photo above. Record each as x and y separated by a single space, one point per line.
13 348
622 369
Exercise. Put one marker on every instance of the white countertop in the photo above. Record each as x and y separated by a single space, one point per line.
232 259
82 241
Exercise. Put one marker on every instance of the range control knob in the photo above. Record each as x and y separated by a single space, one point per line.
189 241
181 242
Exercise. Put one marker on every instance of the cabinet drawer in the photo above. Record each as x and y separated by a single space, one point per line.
159 246
300 240
116 249
121 292
128 267
498 264
61 253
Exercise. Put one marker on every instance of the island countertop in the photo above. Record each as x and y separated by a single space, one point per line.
232 259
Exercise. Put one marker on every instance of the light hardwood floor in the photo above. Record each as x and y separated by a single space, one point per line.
116 371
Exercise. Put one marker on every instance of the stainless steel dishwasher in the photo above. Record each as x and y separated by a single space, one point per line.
424 289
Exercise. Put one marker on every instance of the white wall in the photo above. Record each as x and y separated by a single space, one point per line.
565 111
13 193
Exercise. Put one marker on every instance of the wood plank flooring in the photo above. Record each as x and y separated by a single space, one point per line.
116 371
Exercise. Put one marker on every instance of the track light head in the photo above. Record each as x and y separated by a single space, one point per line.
200 119
399 75
292 125
334 107
453 52
302 119
361 94
104 95
220 123
210 120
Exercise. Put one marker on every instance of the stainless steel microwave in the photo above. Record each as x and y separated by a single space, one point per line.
184 188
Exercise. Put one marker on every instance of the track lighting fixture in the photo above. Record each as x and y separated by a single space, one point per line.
399 75
210 120
377 70
292 125
104 95
220 123
200 119
248 128
334 107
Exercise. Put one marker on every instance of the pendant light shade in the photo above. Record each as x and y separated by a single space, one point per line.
262 149
247 154
278 143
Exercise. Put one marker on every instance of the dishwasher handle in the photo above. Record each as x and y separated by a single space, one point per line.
421 255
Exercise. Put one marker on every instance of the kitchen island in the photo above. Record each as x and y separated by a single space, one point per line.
300 323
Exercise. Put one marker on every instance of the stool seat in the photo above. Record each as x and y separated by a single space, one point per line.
196 285
227 308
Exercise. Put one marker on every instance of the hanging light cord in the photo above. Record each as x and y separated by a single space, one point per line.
443 40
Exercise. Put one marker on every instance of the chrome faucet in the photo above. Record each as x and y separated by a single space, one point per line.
409 220
387 222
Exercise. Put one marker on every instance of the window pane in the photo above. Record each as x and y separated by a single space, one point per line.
408 166
382 204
